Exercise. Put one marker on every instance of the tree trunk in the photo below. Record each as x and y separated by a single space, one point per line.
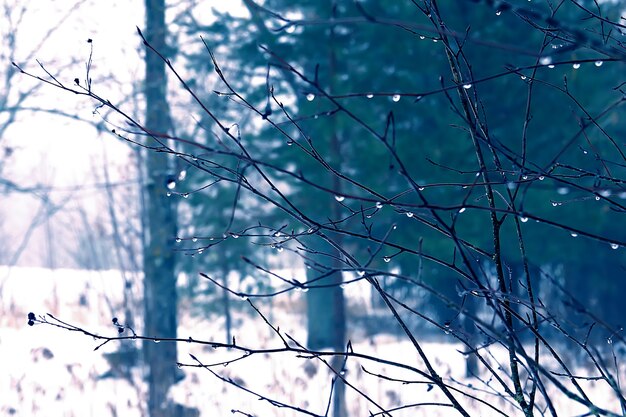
226 296
326 324
325 306
471 361
159 261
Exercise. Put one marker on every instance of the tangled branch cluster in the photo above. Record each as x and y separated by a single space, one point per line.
512 313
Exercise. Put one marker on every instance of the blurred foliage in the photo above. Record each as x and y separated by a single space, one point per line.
430 137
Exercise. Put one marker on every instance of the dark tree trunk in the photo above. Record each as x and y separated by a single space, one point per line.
325 306
228 323
471 361
326 322
228 319
160 319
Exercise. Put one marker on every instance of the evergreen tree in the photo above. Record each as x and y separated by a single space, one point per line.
341 57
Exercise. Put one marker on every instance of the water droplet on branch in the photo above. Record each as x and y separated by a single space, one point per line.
339 198
545 60
310 97
396 97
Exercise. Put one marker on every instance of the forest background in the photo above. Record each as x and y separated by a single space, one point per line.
369 121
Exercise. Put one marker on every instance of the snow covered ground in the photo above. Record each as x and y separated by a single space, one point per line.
51 372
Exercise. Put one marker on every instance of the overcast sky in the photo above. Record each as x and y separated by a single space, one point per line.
56 151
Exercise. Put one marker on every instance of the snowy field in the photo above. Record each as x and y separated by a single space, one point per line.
52 372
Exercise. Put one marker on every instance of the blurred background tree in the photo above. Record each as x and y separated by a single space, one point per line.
401 54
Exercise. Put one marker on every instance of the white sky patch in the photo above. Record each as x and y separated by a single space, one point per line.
53 150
